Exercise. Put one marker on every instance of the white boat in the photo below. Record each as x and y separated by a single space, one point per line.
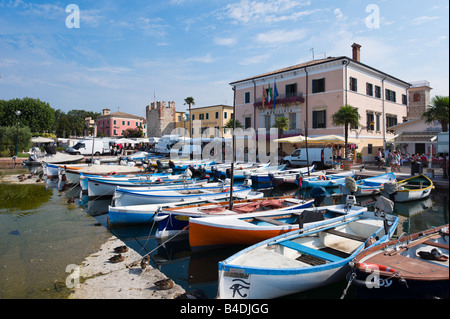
315 256
414 188
73 173
141 214
128 196
241 172
105 186
366 187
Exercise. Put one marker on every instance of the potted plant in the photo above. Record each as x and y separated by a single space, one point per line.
359 157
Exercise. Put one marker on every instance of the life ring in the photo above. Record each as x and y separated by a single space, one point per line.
322 177
113 173
377 267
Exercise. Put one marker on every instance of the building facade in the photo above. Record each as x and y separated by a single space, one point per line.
419 98
309 93
213 118
114 124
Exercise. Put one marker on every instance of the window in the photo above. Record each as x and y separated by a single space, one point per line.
369 148
292 121
217 115
128 123
179 118
247 97
193 117
201 116
123 122
369 89
390 95
291 90
319 119
207 116
378 122
370 122
377 91
318 85
404 99
247 122
114 123
416 97
225 114
391 120
353 84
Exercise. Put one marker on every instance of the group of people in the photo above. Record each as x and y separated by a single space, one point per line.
395 159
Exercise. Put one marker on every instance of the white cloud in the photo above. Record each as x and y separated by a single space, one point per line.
204 59
280 36
423 19
246 11
255 59
338 13
225 41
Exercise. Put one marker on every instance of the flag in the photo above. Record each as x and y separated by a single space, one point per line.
275 93
264 97
269 93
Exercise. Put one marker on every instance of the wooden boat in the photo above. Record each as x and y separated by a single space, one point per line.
332 180
413 188
106 186
129 196
73 174
289 177
173 220
242 171
410 267
266 179
315 256
142 214
249 229
367 186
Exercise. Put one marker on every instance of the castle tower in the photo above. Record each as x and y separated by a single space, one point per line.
160 118
419 98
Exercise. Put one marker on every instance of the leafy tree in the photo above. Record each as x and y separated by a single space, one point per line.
35 114
133 132
229 124
346 115
8 139
438 111
282 124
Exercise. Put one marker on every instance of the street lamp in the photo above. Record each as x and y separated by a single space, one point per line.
17 139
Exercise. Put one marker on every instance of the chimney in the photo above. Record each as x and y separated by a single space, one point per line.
356 52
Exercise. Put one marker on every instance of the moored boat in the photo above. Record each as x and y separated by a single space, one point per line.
172 220
331 180
410 267
251 228
367 186
410 189
315 256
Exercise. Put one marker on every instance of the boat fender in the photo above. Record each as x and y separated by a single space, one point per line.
113 173
226 190
377 267
322 177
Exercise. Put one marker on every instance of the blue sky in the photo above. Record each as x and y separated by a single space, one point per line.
127 53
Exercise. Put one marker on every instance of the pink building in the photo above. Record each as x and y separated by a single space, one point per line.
114 124
309 93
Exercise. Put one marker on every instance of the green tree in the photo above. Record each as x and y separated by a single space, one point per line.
346 115
35 114
189 101
8 140
282 124
438 111
229 124
133 132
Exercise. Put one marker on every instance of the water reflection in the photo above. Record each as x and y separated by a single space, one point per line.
22 198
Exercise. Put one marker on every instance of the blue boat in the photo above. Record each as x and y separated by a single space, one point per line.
368 186
332 180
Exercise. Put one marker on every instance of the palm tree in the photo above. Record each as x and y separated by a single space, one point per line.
282 124
438 111
346 115
189 101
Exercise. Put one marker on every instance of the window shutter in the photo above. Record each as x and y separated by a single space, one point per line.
314 113
324 118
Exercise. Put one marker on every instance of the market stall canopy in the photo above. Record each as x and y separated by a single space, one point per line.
291 139
41 139
333 139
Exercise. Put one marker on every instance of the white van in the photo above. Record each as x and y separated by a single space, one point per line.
321 157
89 147
165 144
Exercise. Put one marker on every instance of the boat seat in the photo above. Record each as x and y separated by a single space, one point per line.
309 251
271 221
435 244
345 235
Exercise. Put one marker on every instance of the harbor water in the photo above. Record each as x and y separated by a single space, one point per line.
43 231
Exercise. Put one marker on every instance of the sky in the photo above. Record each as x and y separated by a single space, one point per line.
123 55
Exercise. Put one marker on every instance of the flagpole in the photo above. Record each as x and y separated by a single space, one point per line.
234 148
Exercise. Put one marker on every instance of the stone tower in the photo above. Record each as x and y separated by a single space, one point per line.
419 98
160 118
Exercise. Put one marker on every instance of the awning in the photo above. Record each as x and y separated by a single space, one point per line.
41 139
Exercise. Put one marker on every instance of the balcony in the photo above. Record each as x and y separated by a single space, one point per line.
282 100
